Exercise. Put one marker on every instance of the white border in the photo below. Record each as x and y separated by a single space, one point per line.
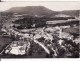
40 0
58 59
40 59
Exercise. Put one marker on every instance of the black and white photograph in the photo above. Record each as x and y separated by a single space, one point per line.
39 29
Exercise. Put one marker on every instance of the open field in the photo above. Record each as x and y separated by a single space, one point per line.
72 30
62 22
4 42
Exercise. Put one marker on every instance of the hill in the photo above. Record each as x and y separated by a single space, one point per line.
41 11
32 10
71 12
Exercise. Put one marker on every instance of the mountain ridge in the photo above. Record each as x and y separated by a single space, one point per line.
41 10
31 10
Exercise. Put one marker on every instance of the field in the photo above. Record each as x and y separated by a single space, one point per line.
3 42
62 22
72 30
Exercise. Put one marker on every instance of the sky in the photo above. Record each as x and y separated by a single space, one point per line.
55 6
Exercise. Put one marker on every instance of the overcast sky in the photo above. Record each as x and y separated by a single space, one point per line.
56 6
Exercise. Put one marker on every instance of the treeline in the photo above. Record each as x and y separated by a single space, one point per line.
59 18
5 13
29 22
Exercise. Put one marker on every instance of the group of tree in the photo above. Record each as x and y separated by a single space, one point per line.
29 22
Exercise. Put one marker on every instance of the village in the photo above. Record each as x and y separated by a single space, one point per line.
39 36
50 39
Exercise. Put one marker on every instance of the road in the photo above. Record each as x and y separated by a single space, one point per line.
35 41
